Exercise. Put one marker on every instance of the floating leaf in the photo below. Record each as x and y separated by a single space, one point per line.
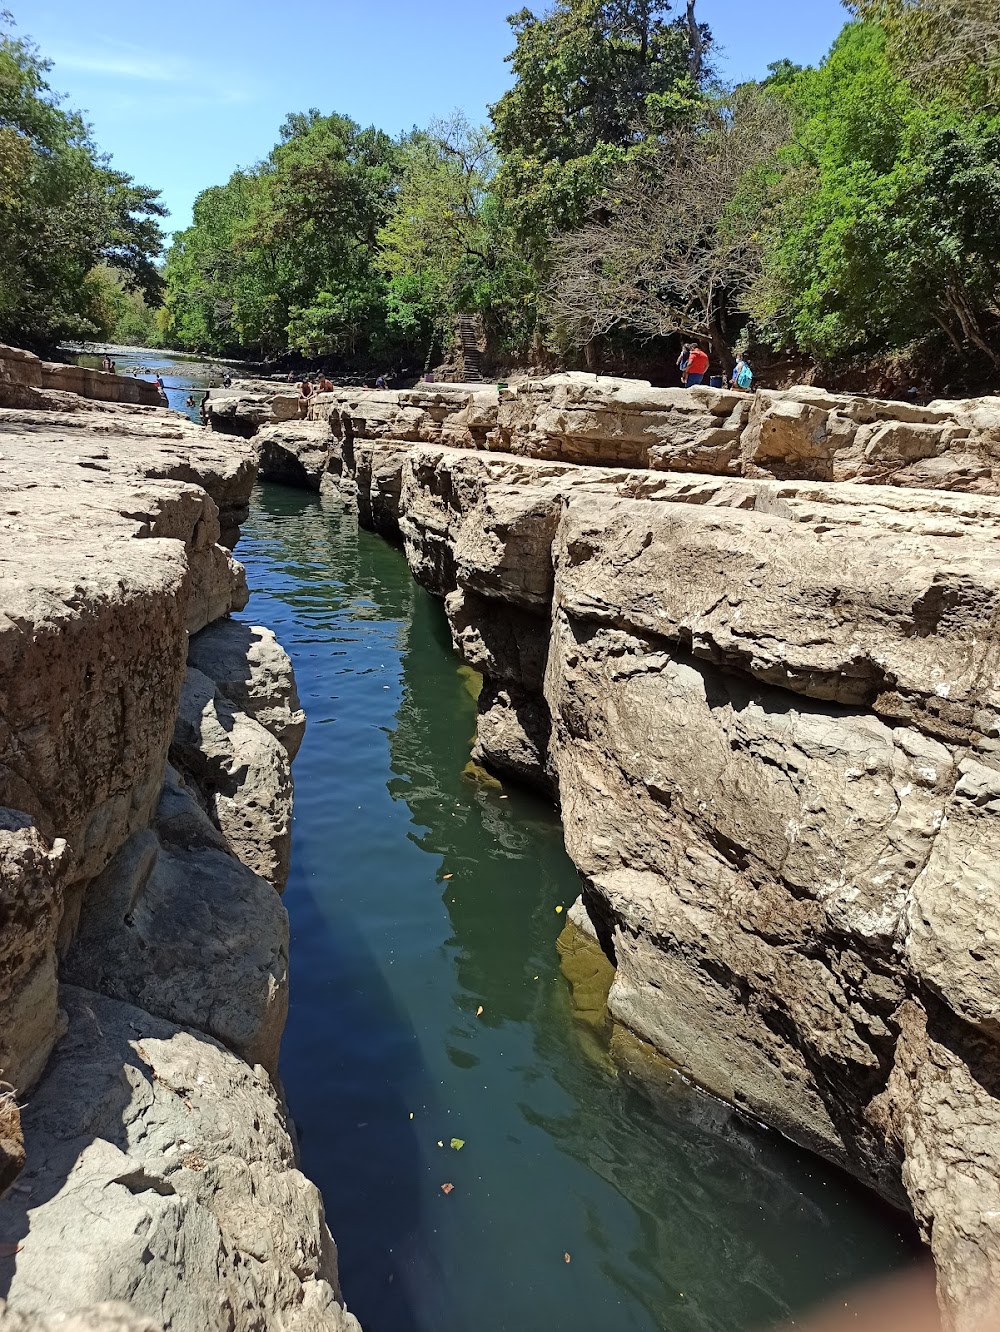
479 1011
411 1114
567 1257
447 1188
440 1144
457 1144
446 877
558 910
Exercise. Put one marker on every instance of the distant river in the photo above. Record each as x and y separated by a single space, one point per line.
428 1004
182 378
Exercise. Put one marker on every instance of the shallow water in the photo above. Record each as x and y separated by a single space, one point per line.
182 378
417 897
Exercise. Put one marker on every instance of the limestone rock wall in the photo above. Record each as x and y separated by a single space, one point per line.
802 433
27 381
751 645
144 1152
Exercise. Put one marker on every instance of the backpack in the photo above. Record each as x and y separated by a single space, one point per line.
745 378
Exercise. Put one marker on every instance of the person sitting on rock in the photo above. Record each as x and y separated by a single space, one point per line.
323 385
380 382
305 394
697 365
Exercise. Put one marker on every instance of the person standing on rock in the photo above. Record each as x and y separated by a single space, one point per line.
682 363
742 375
697 365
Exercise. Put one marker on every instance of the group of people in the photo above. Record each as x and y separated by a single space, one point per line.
693 364
108 364
308 389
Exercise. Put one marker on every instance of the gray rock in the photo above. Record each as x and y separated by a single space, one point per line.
242 772
176 1152
295 453
179 927
98 1318
253 671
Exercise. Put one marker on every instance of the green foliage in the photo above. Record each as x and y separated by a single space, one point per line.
282 256
882 223
944 47
125 317
63 210
595 82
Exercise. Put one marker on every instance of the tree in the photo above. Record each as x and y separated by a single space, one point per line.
282 256
942 44
594 80
882 227
668 251
63 210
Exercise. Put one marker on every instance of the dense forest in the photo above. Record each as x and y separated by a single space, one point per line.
620 195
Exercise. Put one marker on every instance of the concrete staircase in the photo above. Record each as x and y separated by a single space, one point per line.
467 333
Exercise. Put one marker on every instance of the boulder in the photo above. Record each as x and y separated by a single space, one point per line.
178 1155
295 453
242 772
378 478
179 927
250 668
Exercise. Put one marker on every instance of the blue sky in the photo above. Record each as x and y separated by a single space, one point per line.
182 94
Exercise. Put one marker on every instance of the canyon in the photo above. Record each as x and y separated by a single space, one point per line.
148 1167
750 646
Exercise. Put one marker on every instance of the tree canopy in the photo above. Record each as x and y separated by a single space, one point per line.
620 195
63 211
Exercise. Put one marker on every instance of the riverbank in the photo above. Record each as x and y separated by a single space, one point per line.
766 706
145 1150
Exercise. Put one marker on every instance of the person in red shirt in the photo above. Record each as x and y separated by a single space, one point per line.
697 366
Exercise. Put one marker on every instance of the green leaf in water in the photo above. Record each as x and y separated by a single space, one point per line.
457 1144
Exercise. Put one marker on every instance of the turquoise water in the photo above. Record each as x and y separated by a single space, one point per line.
417 898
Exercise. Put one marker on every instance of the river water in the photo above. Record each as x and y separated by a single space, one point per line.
419 897
183 377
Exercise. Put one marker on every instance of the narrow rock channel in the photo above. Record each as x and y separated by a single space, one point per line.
419 895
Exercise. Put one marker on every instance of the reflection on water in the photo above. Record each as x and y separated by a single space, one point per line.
419 897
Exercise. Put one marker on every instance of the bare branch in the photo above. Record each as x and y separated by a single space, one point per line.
663 251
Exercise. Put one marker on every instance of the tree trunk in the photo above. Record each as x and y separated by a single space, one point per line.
696 55
717 335
969 320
